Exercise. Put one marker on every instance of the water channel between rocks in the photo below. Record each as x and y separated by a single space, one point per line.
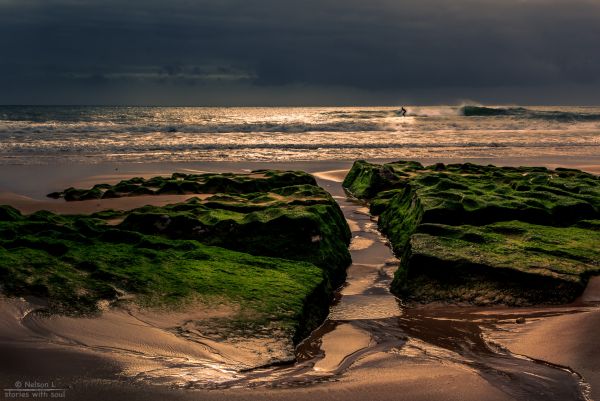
365 318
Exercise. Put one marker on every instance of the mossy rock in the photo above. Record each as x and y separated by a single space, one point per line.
72 194
313 230
265 212
520 263
455 227
9 213
48 256
271 241
180 183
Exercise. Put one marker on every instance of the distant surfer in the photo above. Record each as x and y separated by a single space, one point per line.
403 112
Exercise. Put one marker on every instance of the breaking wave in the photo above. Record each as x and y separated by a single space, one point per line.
522 112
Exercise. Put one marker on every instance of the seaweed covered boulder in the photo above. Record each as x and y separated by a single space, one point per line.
271 242
50 256
9 213
485 234
180 183
266 213
316 233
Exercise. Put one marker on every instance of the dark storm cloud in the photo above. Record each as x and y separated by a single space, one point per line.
201 51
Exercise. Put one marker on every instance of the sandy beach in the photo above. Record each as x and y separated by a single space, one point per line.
372 347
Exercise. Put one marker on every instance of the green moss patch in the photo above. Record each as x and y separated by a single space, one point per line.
485 234
49 257
272 242
180 183
299 223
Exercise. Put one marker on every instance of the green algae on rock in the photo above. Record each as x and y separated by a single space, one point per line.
180 183
48 256
265 212
301 222
276 247
485 234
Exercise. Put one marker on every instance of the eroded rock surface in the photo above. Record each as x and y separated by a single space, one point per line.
485 234
270 241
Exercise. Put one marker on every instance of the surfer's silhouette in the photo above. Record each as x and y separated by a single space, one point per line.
403 112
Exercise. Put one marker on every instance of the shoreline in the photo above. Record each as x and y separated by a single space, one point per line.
384 374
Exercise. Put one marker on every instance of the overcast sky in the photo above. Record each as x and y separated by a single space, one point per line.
300 52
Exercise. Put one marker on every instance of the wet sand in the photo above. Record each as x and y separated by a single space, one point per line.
371 347
568 340
27 205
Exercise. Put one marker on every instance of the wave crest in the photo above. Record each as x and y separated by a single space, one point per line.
522 112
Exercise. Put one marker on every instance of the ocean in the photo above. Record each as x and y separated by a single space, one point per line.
90 134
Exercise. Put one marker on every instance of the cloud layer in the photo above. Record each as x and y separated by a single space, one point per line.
290 52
